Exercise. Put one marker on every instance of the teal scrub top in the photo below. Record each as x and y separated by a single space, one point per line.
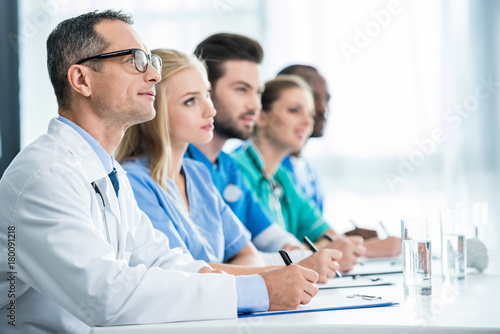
285 204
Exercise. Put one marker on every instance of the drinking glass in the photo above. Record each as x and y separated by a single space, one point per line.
417 274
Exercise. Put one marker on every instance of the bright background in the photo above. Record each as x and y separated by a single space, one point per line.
413 126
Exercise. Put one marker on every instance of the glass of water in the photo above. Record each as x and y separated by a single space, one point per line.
453 243
417 274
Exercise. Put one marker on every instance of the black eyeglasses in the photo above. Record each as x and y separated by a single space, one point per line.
141 59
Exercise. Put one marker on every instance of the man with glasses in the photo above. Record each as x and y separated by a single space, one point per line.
77 250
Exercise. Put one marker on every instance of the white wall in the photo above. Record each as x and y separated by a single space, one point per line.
394 147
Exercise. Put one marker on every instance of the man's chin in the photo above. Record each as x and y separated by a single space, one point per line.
151 114
318 131
145 115
232 133
317 134
245 136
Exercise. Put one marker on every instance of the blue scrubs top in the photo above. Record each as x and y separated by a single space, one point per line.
210 231
306 178
234 190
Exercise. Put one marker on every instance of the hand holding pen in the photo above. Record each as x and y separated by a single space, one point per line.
352 249
289 286
314 249
323 263
362 232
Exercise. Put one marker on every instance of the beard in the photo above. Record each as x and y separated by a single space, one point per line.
319 127
229 130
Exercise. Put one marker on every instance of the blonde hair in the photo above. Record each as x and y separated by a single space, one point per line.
152 139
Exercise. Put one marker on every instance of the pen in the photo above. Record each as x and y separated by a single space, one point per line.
353 223
310 244
383 228
314 249
285 257
329 237
365 297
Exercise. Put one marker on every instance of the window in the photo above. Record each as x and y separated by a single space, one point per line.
408 133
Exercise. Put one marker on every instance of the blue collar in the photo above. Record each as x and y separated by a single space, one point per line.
107 161
194 153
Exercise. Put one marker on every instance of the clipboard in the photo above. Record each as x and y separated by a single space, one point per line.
329 303
354 282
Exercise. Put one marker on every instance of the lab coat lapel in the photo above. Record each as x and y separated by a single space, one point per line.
95 172
125 211
79 148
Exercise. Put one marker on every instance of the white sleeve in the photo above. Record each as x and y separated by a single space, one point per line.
273 238
62 254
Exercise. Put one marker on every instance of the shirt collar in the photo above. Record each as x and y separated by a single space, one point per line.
107 161
194 153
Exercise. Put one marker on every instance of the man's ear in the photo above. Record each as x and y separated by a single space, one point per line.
79 79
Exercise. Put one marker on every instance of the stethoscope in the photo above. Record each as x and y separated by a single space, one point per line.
276 190
103 211
231 192
275 186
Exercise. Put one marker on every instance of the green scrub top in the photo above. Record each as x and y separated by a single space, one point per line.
286 205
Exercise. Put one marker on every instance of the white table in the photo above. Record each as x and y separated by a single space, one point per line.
471 306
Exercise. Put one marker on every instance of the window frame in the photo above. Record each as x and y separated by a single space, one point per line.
9 85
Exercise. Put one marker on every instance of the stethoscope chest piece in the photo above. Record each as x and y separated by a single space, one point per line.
231 193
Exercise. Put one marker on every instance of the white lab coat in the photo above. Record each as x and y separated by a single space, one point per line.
69 274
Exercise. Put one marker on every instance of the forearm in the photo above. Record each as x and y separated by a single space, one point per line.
323 241
241 270
248 256
273 239
247 260
383 248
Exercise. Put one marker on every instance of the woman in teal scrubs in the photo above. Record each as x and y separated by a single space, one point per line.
282 127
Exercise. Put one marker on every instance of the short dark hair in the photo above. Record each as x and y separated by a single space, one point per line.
74 39
293 69
218 48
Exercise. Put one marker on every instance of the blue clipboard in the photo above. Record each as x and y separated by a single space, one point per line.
329 303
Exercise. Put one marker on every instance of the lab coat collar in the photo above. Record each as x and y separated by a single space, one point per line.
80 149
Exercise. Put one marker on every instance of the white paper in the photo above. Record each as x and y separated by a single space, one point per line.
377 266
351 282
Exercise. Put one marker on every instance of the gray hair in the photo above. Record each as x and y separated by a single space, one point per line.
74 39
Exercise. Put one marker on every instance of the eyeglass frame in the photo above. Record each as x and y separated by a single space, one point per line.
124 53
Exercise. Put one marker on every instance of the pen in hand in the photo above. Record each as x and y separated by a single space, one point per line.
329 237
285 257
314 249
383 228
310 244
353 223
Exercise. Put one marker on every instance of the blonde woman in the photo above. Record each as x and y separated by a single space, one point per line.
178 194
